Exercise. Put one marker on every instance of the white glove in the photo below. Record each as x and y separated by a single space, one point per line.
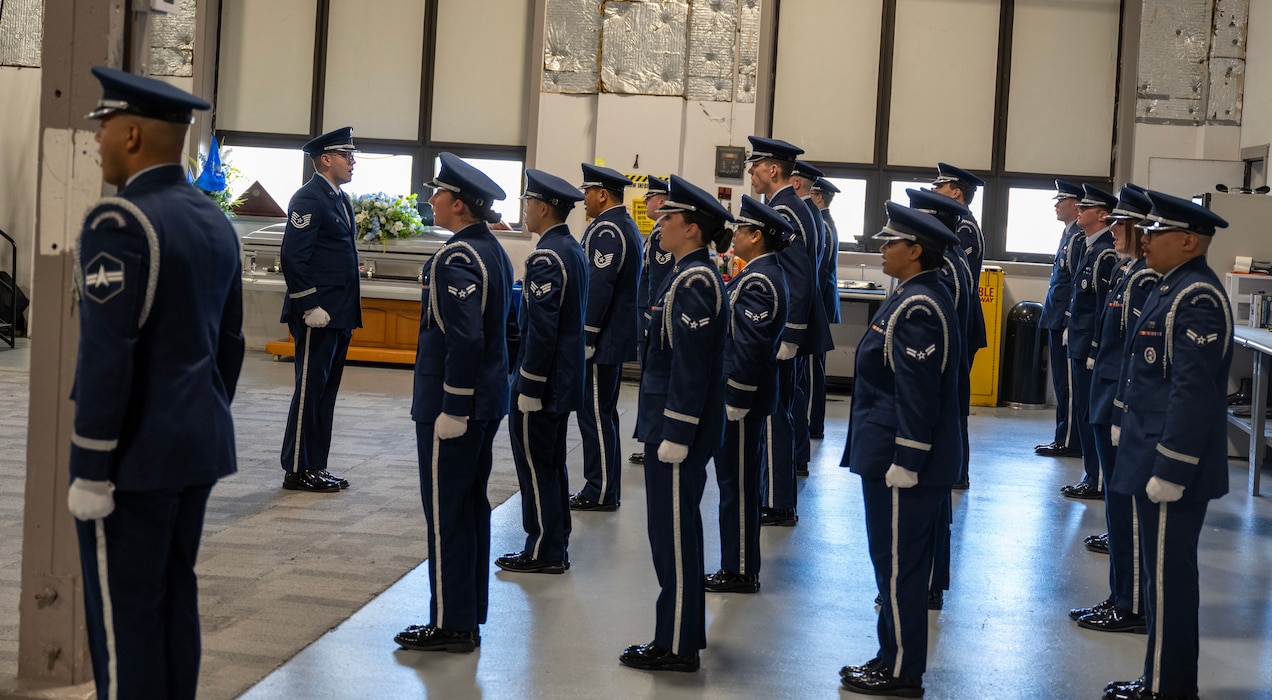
317 317
1115 432
1064 337
734 413
446 426
899 477
90 500
672 452
589 352
528 404
1162 491
787 351
1090 363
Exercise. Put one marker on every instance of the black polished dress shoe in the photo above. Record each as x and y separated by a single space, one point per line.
430 638
1114 620
1135 690
580 502
342 483
801 470
1083 491
1097 543
728 582
785 517
879 681
936 600
308 481
859 670
1078 613
523 563
637 458
651 657
1055 449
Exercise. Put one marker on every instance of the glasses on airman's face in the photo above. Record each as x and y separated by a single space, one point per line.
1154 233
347 155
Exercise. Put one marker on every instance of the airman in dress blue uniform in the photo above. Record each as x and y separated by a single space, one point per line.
1092 280
1055 319
823 193
903 440
613 248
757 297
322 307
657 264
961 185
956 275
1172 457
1132 284
461 395
680 420
811 379
548 374
161 344
806 333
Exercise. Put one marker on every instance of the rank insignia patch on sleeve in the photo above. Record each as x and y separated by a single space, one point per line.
603 261
103 277
301 220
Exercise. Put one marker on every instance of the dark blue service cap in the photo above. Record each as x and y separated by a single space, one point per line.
1132 203
338 140
1172 212
948 173
905 224
1067 190
763 217
807 171
466 182
144 97
606 178
551 189
930 202
776 149
686 196
824 185
657 186
1093 196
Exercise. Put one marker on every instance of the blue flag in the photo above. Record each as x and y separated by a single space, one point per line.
212 179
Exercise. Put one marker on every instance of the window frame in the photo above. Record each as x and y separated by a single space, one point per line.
998 181
422 149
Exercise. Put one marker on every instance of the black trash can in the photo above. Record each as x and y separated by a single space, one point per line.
1024 379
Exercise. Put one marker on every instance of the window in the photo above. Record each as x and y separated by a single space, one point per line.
280 171
1032 227
507 174
849 210
381 172
899 196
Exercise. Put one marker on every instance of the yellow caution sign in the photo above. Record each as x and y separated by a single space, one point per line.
986 367
636 202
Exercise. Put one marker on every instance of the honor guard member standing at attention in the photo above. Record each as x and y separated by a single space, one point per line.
1091 283
1173 453
161 344
828 278
322 307
757 299
1132 284
806 332
680 420
1055 320
803 176
613 248
956 275
657 264
903 441
461 395
547 382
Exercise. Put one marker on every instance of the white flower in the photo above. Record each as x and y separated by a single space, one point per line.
397 227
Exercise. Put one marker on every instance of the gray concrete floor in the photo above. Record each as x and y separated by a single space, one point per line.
1018 567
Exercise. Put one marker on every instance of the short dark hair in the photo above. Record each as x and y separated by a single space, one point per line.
616 195
561 211
714 232
969 191
932 257
785 167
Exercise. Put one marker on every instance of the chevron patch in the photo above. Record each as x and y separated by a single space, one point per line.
694 325
538 290
462 294
754 316
923 354
602 261
663 258
299 220
1201 340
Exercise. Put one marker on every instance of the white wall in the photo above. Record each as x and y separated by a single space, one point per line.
1256 126
19 142
1169 141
